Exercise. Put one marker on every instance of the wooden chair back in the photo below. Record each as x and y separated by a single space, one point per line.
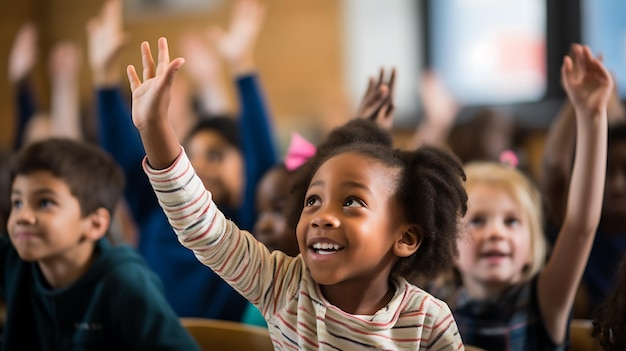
580 336
213 334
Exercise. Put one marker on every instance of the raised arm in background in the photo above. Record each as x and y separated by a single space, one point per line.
588 85
204 67
440 111
558 155
64 68
22 60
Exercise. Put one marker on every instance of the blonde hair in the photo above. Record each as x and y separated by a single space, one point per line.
525 194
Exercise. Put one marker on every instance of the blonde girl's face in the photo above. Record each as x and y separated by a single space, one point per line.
496 245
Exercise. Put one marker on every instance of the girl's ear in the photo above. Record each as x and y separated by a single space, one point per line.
96 224
409 241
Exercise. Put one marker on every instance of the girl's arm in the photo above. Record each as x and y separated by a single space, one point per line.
588 85
196 220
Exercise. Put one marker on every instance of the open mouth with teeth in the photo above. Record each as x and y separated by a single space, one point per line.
326 248
493 255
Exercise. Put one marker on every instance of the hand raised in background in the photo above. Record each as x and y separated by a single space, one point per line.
587 82
65 62
378 102
205 69
237 44
440 107
440 112
23 55
202 61
64 67
105 40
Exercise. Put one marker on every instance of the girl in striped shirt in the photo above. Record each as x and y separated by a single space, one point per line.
370 216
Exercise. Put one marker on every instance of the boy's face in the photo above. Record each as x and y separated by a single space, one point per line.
350 222
614 210
496 247
45 223
220 166
271 224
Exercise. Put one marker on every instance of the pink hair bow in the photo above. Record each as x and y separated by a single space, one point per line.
509 158
298 152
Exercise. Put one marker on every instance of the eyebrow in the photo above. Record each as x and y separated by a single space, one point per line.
44 191
350 184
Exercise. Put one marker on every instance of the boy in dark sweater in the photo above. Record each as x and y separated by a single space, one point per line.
66 286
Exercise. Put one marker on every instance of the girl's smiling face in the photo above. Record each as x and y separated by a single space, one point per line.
496 247
351 221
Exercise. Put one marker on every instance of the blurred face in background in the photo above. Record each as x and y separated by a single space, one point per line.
220 166
271 225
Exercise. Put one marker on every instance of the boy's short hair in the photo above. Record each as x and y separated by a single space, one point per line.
92 176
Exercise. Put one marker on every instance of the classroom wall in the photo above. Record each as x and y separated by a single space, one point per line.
298 53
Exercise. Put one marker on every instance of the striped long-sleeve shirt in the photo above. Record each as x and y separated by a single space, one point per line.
298 315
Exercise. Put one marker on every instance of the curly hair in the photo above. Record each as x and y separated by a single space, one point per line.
609 320
429 190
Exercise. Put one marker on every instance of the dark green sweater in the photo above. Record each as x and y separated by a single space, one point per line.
117 305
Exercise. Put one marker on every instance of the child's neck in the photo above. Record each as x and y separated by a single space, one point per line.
359 298
65 271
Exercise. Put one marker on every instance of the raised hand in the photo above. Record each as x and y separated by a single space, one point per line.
237 44
150 104
205 68
587 82
203 63
440 108
377 103
105 39
152 96
23 56
64 65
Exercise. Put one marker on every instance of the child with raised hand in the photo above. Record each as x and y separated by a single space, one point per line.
509 300
66 286
359 231
610 242
230 155
22 61
63 119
